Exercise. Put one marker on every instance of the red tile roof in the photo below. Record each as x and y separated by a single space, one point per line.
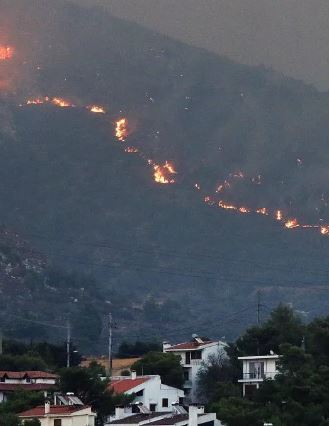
54 409
12 387
124 385
189 345
30 374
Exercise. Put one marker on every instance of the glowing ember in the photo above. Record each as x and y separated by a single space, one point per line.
131 149
222 205
223 186
292 223
324 230
244 210
278 215
164 174
36 101
6 53
121 130
61 103
263 211
96 109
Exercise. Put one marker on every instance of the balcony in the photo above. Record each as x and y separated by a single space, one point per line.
258 376
187 384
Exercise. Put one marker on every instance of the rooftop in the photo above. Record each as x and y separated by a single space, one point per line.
124 385
194 344
137 418
29 374
259 357
54 410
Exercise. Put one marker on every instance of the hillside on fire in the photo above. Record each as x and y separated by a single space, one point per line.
182 182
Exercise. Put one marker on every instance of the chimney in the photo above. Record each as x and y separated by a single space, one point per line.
133 374
119 412
193 415
47 407
165 345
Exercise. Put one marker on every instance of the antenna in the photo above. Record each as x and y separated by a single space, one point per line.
68 344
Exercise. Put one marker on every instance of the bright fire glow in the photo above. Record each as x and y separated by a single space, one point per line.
121 129
324 230
225 206
263 211
278 215
96 109
6 53
292 223
62 103
164 174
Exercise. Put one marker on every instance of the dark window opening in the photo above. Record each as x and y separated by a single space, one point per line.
153 407
140 393
57 422
165 402
188 358
196 355
186 375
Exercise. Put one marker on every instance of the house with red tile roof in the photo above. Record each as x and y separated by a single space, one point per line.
148 390
193 355
60 415
37 381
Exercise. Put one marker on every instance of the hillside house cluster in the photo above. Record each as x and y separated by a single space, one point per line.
38 381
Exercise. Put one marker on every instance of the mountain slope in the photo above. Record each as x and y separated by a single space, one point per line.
170 258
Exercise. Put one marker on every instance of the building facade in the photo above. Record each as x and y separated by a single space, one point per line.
60 415
148 390
38 381
194 355
255 370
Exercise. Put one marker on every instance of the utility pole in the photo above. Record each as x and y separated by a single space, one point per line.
1 342
110 325
68 344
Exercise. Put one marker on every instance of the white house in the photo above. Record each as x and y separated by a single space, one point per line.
256 369
148 390
60 415
193 355
194 417
38 381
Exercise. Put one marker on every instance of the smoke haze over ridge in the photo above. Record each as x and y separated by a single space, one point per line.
291 36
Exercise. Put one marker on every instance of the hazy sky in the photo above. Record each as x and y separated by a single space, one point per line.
290 35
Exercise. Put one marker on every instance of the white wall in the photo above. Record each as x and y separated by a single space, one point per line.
154 392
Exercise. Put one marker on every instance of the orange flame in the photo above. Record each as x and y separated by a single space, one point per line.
121 130
62 103
292 223
324 230
163 174
263 211
6 53
244 210
222 205
96 109
278 215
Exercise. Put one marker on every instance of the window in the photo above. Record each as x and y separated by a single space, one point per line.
153 407
256 370
165 402
57 422
186 375
196 355
181 400
140 393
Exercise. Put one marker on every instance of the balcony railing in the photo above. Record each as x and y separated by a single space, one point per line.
259 376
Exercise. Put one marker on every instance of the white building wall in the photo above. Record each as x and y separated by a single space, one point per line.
155 392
